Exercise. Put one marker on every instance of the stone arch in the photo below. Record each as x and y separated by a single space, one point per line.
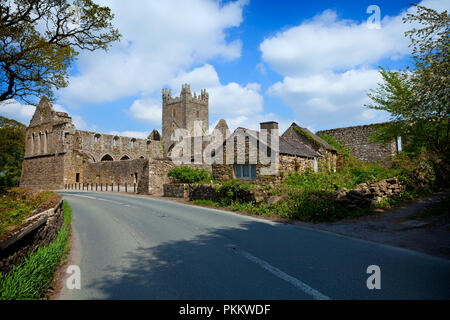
115 141
107 157
125 157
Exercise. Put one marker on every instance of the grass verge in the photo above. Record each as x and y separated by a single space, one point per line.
31 279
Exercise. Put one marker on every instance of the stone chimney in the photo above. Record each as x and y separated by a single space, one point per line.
269 126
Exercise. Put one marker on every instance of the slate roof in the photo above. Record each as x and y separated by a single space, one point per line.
295 148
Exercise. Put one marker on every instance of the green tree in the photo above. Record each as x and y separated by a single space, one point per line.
418 99
12 149
39 40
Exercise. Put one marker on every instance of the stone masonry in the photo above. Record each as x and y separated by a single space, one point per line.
357 138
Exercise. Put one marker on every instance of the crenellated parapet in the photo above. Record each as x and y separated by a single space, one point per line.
185 96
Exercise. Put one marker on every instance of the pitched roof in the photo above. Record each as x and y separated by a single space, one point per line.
295 148
324 144
286 146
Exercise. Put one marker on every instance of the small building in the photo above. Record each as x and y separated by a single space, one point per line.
249 155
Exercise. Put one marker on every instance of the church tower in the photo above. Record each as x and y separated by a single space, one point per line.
182 112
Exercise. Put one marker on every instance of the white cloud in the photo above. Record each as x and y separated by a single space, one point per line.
160 40
328 66
146 110
231 99
12 109
328 99
228 99
327 43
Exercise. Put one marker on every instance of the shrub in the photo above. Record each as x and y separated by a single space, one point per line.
185 174
235 191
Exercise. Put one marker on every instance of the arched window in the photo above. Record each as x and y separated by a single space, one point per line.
132 143
96 138
115 140
125 157
46 141
32 144
107 157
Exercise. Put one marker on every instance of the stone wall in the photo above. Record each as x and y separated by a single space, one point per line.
39 230
117 147
174 190
358 139
369 194
118 173
43 172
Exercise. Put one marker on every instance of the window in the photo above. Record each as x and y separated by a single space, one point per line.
96 138
132 143
77 177
115 139
245 171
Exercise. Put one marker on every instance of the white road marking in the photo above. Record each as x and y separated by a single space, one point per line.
101 199
280 274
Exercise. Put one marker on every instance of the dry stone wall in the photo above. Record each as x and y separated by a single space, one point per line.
369 194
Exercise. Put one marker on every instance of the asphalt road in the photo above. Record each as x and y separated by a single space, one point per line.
130 247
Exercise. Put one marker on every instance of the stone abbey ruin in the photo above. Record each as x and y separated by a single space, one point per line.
59 156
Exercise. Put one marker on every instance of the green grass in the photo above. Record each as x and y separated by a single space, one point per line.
207 203
31 279
18 203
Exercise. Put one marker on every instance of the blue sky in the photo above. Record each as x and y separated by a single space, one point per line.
303 61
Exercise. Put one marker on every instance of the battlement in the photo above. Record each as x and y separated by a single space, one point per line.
185 95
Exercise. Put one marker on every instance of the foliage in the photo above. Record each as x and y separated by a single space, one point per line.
31 279
185 174
12 149
235 190
307 135
18 203
418 99
39 40
207 203
331 141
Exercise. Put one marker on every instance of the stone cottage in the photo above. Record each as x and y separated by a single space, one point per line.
254 156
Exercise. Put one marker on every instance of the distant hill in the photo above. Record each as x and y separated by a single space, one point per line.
12 150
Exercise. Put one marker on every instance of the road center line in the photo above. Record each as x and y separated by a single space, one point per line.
280 274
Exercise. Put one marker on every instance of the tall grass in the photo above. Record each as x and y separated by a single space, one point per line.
31 279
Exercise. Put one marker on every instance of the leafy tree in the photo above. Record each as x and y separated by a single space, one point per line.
12 149
39 40
418 99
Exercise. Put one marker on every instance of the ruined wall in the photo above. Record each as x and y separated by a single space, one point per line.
290 164
99 145
118 172
46 146
43 172
358 139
